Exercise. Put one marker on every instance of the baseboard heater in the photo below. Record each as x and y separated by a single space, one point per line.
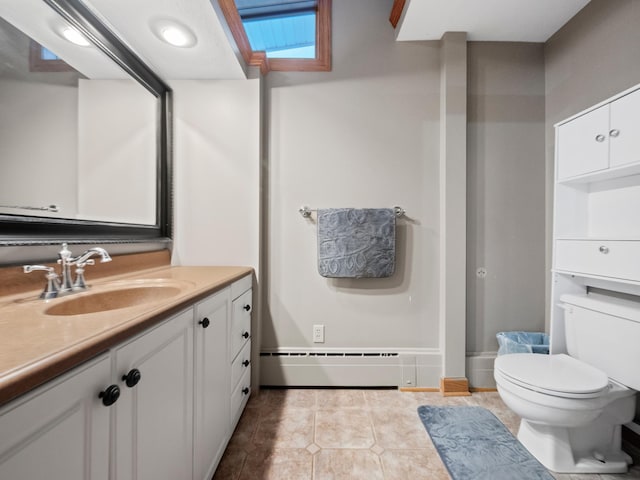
333 369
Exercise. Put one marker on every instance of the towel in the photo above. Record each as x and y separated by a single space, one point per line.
356 243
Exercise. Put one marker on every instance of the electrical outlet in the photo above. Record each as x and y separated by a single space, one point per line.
481 272
318 334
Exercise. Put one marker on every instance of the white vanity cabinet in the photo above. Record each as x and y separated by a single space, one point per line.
60 430
211 427
240 348
596 240
154 416
177 392
606 137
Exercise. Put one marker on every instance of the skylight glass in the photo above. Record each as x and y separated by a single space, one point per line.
283 28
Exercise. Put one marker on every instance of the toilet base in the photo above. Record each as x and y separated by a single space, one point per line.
574 450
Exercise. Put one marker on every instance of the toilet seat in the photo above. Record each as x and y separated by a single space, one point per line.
557 375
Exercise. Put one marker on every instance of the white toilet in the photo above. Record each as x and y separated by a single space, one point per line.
573 405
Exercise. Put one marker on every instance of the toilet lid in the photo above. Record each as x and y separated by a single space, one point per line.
559 375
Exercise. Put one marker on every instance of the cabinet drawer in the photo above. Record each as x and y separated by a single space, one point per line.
617 259
240 397
240 286
240 323
241 363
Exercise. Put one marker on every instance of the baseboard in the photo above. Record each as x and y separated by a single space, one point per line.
454 387
350 367
479 369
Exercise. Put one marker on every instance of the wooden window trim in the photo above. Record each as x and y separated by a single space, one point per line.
322 62
396 12
38 64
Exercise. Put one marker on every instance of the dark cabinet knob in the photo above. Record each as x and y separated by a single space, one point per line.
204 322
245 335
132 378
110 395
245 390
246 363
247 307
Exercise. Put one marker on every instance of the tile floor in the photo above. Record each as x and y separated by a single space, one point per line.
324 434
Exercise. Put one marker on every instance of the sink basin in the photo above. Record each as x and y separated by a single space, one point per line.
102 301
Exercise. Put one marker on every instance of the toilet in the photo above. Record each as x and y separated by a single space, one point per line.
573 404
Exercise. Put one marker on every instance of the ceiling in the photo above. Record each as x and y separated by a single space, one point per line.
215 57
486 20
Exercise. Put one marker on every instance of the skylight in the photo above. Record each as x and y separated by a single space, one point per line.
281 28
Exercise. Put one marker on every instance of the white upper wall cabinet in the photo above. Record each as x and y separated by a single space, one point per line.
596 204
602 139
624 143
582 144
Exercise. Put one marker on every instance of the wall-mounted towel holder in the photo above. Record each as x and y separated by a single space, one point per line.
306 211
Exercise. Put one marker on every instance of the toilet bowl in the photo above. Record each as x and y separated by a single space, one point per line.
571 412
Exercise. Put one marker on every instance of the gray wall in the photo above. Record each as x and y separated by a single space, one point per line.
505 196
363 135
594 56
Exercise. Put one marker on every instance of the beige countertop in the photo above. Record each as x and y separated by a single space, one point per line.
36 346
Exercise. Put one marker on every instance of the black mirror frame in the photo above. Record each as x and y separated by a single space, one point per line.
24 230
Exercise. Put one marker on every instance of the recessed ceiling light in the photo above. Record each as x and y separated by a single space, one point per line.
174 33
74 36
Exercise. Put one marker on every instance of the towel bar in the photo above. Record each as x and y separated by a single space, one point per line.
306 211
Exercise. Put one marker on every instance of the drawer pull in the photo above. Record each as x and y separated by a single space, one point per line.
110 395
204 322
247 307
614 133
245 335
600 138
132 378
245 390
246 363
604 249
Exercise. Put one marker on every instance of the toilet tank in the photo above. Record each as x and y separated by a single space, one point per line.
604 332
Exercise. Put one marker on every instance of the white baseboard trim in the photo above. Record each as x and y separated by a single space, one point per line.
480 369
347 367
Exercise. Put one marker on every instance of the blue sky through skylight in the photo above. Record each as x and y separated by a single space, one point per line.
283 36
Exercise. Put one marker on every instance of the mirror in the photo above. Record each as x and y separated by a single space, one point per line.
83 129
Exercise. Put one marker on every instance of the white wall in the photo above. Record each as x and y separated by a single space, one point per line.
117 152
38 146
216 172
363 135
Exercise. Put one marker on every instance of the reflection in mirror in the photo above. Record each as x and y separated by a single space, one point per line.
78 136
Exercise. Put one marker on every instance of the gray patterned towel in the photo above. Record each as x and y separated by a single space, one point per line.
356 243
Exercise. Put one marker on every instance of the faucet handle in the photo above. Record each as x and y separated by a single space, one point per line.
80 284
53 285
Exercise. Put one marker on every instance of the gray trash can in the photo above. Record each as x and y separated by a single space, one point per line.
522 342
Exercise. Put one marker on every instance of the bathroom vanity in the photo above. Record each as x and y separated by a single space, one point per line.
149 390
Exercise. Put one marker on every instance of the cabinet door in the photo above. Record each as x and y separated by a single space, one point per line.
60 431
154 418
211 383
583 144
624 133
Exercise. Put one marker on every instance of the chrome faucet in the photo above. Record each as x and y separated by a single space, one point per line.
58 286
66 261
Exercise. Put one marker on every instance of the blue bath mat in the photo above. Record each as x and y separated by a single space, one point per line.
475 445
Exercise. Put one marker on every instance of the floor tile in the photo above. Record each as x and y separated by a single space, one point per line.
412 464
398 429
346 464
337 428
231 465
290 428
278 464
330 398
290 398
